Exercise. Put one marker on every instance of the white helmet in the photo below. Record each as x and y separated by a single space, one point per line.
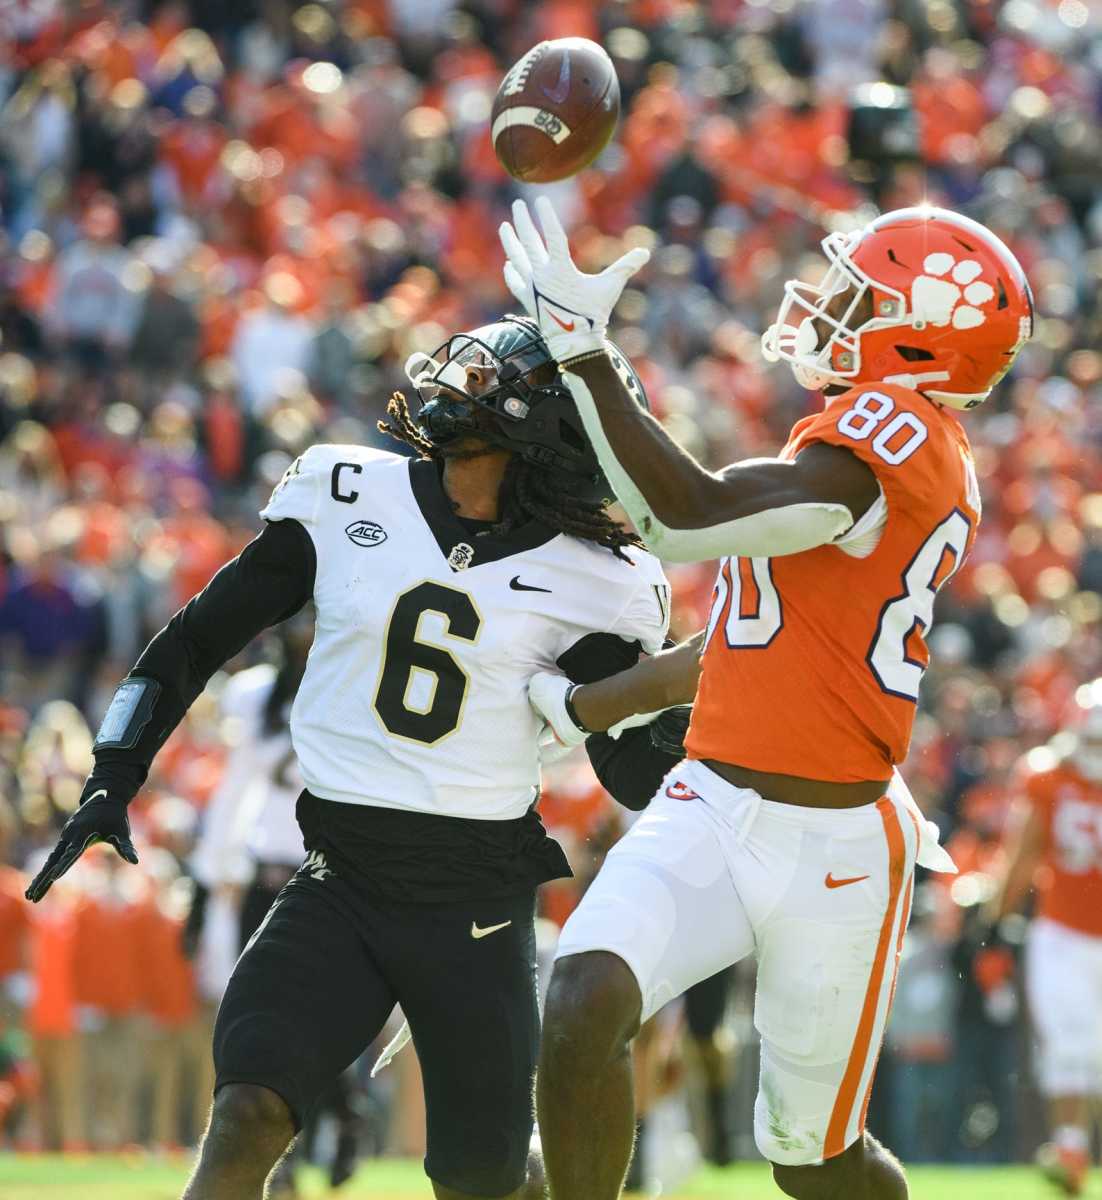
1086 753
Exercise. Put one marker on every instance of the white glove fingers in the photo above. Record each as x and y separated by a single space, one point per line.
514 251
627 264
528 234
521 289
553 233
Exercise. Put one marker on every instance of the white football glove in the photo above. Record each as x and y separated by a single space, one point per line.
550 749
571 308
547 694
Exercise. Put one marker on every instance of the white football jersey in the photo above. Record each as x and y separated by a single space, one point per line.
415 692
251 816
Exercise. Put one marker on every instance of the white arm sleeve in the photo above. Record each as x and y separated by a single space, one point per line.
768 534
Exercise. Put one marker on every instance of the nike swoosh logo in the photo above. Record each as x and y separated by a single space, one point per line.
831 882
96 795
561 323
517 586
477 933
561 90
681 791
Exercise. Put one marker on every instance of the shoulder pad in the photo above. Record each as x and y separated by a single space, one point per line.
314 474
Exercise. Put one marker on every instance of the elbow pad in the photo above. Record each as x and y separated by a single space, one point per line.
771 533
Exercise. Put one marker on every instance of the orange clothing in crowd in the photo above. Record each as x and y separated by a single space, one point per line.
192 150
200 545
950 110
1070 881
973 854
14 921
52 960
109 971
169 994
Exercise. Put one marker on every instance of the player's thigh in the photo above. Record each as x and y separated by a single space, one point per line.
1064 990
304 1001
664 902
465 976
827 961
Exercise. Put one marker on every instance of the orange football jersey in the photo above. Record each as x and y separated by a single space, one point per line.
1070 882
812 661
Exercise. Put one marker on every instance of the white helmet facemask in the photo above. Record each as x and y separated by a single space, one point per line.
793 337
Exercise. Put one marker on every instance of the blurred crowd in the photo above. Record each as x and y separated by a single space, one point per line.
224 227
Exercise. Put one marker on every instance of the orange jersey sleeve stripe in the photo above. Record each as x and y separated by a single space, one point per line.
846 1099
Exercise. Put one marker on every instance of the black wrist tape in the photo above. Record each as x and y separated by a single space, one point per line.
572 712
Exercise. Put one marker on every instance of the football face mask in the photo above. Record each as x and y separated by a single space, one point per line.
499 383
921 297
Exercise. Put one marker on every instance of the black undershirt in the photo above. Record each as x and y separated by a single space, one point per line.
402 854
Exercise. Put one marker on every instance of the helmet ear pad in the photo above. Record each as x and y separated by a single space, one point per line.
550 434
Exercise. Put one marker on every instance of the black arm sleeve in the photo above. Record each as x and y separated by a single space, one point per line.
269 581
629 767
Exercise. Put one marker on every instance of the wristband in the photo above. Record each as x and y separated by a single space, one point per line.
138 722
128 714
572 712
584 357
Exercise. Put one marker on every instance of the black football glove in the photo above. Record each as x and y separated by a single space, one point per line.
668 729
101 817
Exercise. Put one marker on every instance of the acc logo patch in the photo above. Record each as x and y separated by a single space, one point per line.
365 533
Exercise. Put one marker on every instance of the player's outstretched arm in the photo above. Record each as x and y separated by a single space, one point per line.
659 682
269 581
630 766
574 711
683 512
1025 849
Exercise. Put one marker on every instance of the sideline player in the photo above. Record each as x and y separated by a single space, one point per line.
1055 840
786 833
440 585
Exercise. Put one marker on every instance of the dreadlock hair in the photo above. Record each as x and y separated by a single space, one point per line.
528 493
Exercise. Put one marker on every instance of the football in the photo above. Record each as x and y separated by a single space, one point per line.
555 111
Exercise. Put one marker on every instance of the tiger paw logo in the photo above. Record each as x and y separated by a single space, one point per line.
950 293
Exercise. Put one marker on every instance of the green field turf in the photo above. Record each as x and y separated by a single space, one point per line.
101 1178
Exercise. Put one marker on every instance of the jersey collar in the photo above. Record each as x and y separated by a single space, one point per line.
446 527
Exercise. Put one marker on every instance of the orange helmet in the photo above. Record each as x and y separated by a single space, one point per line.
922 297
